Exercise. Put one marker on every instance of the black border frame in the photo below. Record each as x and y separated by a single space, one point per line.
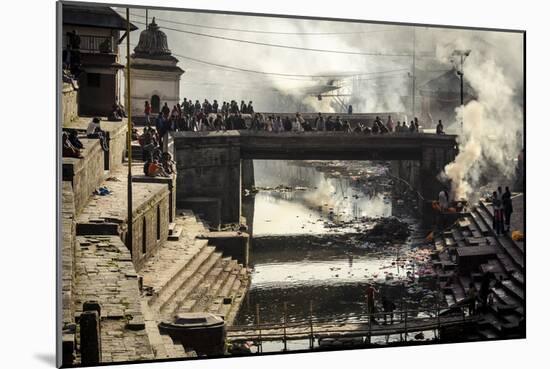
59 117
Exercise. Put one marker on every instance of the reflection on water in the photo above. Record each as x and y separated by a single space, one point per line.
300 255
319 201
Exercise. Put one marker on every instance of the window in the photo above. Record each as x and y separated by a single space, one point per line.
93 79
144 236
158 222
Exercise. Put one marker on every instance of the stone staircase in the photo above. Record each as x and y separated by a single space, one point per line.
504 317
188 275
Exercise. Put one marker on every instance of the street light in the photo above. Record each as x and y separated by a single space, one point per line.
460 72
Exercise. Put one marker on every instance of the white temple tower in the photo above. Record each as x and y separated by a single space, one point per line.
155 76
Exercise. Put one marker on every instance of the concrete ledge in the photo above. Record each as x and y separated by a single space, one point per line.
85 174
470 258
207 208
233 244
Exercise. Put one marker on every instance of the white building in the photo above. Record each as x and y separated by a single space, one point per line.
155 76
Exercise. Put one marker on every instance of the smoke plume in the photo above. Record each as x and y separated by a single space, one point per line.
490 127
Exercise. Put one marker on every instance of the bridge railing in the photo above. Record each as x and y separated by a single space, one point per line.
401 322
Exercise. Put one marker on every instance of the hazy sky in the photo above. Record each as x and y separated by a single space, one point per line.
385 76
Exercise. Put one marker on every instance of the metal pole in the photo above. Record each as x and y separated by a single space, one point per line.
438 316
146 18
312 339
414 74
406 323
370 326
129 237
260 349
284 326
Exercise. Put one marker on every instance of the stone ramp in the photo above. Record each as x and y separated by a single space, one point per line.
105 273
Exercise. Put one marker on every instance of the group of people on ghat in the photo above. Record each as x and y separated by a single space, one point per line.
156 162
502 210
72 146
197 117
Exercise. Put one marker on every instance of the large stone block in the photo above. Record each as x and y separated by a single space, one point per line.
90 338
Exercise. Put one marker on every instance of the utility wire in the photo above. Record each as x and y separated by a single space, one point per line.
271 32
283 46
237 69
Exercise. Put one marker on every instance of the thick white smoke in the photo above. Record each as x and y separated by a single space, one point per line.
491 136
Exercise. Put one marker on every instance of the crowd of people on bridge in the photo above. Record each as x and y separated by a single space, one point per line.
197 117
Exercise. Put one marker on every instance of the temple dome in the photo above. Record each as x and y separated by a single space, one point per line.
152 42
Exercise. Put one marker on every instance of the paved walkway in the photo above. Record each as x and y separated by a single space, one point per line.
105 273
113 207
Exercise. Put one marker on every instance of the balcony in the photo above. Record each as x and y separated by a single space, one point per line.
97 44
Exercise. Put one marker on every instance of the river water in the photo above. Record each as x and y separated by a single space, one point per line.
306 249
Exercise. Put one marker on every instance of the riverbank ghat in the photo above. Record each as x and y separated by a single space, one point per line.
469 251
113 296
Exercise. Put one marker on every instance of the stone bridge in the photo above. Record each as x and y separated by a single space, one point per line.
213 165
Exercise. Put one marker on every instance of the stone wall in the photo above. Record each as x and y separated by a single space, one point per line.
69 103
150 227
211 167
67 252
117 146
85 174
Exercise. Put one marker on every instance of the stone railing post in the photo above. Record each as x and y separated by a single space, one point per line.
90 333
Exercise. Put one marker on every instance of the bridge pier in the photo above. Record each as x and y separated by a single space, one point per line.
434 160
210 166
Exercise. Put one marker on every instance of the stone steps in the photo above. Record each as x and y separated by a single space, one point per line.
174 349
187 281
512 249
163 346
202 304
175 234
165 267
239 298
208 286
170 284
229 299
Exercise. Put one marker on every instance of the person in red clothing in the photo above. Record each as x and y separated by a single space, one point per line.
371 294
147 112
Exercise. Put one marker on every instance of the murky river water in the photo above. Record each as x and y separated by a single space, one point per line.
305 250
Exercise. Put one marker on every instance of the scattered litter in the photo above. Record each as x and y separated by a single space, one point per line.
102 191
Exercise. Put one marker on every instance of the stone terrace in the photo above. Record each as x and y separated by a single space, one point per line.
112 208
105 273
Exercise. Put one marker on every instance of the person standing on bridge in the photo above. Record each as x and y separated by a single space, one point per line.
297 124
250 108
439 128
371 294
389 124
320 123
350 109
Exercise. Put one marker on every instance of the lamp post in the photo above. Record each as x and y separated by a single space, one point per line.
463 54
